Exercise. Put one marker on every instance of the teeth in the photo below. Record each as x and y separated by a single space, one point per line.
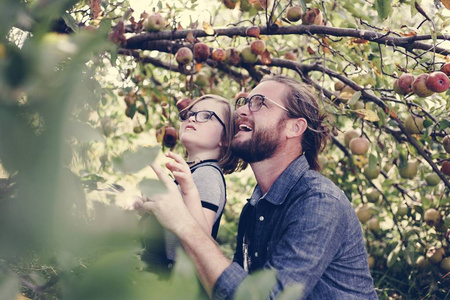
244 127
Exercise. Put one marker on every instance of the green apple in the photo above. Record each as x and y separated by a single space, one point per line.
432 217
359 145
364 213
409 170
248 56
373 224
349 135
371 173
373 195
413 124
294 13
432 179
435 255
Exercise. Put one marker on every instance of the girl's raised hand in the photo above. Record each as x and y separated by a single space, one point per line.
182 173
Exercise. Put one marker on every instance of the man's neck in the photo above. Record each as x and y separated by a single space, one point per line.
267 171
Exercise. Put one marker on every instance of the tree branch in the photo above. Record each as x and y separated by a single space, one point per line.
409 43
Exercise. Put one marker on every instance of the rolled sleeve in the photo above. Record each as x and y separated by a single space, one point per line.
228 282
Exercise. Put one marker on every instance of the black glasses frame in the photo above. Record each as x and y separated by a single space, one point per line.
241 101
186 114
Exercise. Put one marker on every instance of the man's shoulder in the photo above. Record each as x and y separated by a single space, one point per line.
314 184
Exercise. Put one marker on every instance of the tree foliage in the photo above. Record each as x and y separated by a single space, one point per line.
87 86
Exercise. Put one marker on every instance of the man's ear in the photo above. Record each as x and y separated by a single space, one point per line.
296 127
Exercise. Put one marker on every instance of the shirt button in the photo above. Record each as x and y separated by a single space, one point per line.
256 254
261 218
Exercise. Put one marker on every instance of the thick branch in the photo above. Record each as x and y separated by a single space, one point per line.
409 43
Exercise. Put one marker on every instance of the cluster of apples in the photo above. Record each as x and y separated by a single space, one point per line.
424 85
201 52
358 145
434 256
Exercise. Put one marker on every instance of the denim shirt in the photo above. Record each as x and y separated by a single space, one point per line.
306 229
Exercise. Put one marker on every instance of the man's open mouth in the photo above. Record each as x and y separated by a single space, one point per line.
244 127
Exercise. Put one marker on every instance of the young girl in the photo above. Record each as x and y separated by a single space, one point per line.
207 127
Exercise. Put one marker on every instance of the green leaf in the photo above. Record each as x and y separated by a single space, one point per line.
413 8
372 162
291 292
151 187
383 8
356 96
393 256
84 133
257 286
9 286
134 161
71 22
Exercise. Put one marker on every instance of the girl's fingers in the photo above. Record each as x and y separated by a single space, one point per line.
175 157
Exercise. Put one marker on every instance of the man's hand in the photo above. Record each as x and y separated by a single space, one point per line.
169 207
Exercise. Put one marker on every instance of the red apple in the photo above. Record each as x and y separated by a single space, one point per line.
312 17
262 4
232 56
253 31
201 52
403 85
446 69
446 143
420 87
184 56
445 168
170 137
258 47
438 82
294 13
219 54
231 4
290 56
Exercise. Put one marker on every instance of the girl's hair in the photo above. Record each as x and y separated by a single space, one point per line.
301 103
227 161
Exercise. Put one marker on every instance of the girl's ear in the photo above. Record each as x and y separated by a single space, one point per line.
296 127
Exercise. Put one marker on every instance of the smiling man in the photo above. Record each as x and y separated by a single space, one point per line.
296 221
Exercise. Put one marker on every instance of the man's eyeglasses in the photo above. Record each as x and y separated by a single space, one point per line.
255 102
200 116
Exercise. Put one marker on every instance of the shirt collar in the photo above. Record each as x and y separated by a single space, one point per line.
283 184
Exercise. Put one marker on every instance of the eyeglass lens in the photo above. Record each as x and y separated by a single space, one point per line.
255 102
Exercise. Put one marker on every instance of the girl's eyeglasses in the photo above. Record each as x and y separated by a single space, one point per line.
200 116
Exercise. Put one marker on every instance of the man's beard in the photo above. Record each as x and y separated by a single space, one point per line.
261 146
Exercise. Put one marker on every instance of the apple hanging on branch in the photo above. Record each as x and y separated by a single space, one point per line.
184 56
438 82
403 84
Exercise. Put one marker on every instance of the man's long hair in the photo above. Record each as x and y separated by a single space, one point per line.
301 102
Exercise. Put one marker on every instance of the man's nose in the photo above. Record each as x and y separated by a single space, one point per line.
243 110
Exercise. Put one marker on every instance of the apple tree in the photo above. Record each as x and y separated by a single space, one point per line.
88 85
